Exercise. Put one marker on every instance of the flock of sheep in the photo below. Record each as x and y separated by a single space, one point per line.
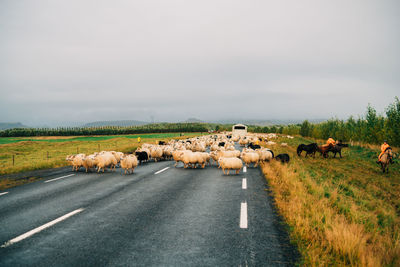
191 152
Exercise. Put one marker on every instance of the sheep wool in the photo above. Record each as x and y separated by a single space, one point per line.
230 164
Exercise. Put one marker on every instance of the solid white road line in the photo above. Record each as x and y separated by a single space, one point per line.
244 183
244 169
41 228
243 215
162 170
55 179
3 193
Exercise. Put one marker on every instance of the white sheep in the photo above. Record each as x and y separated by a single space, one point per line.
129 163
229 154
156 153
76 161
250 157
104 160
242 142
230 164
265 154
88 162
192 158
214 147
177 155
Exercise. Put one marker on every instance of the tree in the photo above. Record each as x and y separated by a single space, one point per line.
392 124
305 128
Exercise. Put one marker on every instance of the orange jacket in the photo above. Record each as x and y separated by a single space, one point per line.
384 147
330 141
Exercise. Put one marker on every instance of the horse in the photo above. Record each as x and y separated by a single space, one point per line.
386 159
324 149
309 149
338 148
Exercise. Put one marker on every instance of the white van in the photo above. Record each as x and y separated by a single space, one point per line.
239 129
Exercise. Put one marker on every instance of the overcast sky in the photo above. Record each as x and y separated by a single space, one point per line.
81 61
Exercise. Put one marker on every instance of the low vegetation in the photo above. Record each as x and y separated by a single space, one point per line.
371 128
108 130
339 211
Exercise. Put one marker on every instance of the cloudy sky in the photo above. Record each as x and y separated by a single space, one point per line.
79 61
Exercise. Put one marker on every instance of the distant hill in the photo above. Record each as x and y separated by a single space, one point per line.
11 125
123 123
193 120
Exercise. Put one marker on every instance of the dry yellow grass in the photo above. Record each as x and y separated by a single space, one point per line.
341 212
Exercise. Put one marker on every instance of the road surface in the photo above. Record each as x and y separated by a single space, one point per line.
158 216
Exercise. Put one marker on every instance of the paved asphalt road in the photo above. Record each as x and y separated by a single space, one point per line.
177 217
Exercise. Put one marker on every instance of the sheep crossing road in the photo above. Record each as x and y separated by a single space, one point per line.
160 215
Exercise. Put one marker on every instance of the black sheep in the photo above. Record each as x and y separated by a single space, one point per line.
284 158
142 156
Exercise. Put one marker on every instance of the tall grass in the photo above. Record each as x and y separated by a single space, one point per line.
340 211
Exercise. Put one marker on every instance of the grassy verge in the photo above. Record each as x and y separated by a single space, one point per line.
340 211
50 152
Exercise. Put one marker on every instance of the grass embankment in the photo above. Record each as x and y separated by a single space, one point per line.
340 211
50 152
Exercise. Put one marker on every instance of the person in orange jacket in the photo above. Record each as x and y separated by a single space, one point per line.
384 146
329 142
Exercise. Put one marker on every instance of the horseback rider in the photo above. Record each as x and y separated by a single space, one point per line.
330 142
384 146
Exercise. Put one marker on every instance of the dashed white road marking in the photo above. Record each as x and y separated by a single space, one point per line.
62 177
4 193
41 228
162 170
244 183
243 215
244 169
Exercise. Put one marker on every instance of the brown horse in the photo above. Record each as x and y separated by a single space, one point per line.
324 149
385 160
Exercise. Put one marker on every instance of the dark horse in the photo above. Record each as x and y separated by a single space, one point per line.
338 148
309 149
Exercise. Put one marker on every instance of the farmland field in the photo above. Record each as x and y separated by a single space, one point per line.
48 152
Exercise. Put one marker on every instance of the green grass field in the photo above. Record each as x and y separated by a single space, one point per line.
341 212
49 152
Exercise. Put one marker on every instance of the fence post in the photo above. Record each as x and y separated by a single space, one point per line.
98 147
77 150
13 160
47 155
